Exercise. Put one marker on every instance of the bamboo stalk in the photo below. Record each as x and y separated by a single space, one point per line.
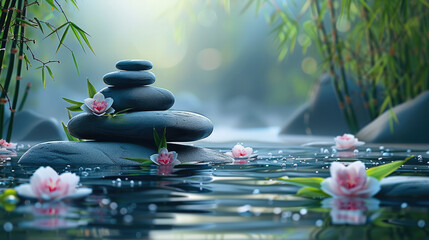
10 68
24 98
18 73
336 48
337 88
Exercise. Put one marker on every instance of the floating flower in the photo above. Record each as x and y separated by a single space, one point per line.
347 141
350 210
46 185
241 152
98 105
350 181
6 145
164 157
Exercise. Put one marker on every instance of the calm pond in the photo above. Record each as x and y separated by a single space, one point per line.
243 200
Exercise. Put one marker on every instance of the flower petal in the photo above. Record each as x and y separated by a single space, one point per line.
109 102
153 158
110 111
80 193
99 97
24 190
88 103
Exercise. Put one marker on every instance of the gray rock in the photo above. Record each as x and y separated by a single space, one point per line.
140 98
322 116
138 126
134 65
404 187
30 126
129 78
110 153
412 125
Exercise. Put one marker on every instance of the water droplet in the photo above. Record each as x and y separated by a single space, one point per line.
8 226
277 210
256 191
355 151
326 151
334 150
128 218
152 207
420 158
319 223
368 150
123 211
385 154
381 148
132 183
105 201
280 151
404 205
80 169
244 208
296 217
113 205
96 169
118 180
85 174
408 150
303 211
286 214
421 223
88 169
317 171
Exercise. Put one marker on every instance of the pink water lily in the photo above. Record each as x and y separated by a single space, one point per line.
350 181
347 141
47 185
7 145
241 152
164 157
98 105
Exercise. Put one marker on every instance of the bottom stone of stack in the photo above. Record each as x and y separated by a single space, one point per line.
110 153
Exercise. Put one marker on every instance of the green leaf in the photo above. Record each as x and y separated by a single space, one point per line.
40 25
143 161
50 72
310 192
76 34
74 108
122 112
66 131
305 182
73 102
52 4
91 89
56 30
69 114
384 170
156 138
163 140
63 37
27 60
75 64
26 22
43 77
83 35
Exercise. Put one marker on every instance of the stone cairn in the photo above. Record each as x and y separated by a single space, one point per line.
148 108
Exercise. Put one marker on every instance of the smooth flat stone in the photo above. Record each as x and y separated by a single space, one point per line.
138 126
404 187
110 153
129 78
134 65
412 125
140 98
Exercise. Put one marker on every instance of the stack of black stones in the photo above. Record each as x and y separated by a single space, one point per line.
129 135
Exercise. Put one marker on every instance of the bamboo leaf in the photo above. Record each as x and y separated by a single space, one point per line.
310 192
69 114
163 139
52 4
156 138
384 170
57 29
73 101
76 34
66 131
248 4
43 77
75 4
27 60
63 37
305 182
91 89
23 21
40 25
75 64
143 161
83 35
50 72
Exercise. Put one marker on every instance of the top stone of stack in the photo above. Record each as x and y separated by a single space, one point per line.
134 65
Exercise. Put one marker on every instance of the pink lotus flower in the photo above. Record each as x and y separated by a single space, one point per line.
347 141
46 185
98 105
164 157
350 181
350 210
240 152
4 144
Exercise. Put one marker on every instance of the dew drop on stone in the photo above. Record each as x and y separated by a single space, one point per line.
85 174
244 208
280 151
326 151
319 223
256 191
368 150
88 169
80 169
303 211
355 151
296 217
381 148
152 207
317 171
8 226
408 150
118 180
385 154
334 150
404 205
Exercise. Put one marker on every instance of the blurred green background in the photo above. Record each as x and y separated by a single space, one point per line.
217 59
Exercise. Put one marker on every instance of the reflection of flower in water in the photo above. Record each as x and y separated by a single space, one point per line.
240 161
51 216
350 210
165 169
346 154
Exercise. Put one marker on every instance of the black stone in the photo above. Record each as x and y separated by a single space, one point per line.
322 116
129 78
140 98
110 153
138 126
412 125
134 65
404 187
